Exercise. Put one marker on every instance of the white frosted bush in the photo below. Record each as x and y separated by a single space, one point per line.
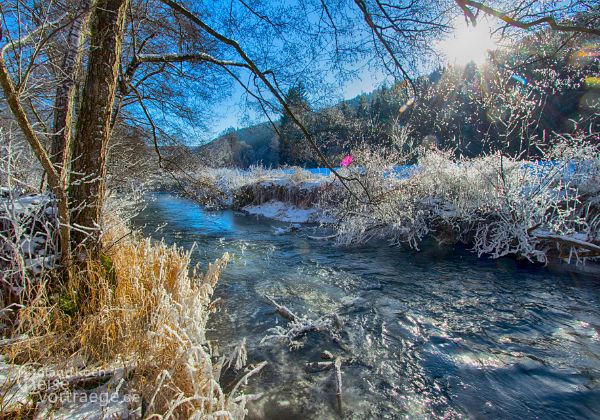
501 205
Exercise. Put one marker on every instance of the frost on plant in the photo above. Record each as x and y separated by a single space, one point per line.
502 205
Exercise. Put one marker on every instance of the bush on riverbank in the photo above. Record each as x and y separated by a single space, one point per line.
500 205
231 187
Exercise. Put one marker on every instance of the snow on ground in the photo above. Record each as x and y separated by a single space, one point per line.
104 402
24 205
27 224
284 212
22 385
17 382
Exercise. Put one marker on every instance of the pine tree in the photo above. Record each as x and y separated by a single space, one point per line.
292 148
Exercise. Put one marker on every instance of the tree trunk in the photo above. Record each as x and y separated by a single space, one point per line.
88 167
65 92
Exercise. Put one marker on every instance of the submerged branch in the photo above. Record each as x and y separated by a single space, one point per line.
283 311
299 326
338 382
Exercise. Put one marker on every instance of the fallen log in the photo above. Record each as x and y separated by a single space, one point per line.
313 367
87 379
24 386
594 250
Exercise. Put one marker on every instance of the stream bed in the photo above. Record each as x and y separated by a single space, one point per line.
428 334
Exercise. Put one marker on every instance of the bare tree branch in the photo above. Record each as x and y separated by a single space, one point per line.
549 20
52 174
262 76
377 30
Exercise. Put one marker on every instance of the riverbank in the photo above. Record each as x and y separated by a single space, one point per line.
499 206
113 312
88 339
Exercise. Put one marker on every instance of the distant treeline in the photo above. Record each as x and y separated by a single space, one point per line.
519 103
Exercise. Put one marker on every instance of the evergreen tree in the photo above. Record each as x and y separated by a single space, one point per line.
292 147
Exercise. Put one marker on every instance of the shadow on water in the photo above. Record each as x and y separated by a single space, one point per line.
436 333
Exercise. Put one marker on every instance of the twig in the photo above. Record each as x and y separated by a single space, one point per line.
283 311
318 366
338 382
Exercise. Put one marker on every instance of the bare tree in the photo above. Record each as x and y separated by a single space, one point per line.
54 45
93 128
54 179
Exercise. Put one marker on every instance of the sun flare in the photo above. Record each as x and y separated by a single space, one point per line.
468 43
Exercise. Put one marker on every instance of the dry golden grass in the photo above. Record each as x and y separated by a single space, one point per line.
141 306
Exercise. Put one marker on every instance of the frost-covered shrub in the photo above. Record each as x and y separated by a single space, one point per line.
19 169
140 313
380 204
499 204
28 240
301 175
28 237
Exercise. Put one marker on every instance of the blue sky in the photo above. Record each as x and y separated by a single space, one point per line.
231 111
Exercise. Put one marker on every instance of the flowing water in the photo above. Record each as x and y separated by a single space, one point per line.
435 333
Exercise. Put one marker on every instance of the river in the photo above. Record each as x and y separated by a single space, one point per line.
427 334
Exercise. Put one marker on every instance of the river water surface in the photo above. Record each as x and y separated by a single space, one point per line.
429 334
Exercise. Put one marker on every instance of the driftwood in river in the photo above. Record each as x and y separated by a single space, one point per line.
299 326
283 311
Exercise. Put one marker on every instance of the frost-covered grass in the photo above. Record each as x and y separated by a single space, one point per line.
139 313
220 187
136 319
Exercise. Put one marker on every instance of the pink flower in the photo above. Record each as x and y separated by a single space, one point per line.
347 161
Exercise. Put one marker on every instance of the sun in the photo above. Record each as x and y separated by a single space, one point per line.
468 43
